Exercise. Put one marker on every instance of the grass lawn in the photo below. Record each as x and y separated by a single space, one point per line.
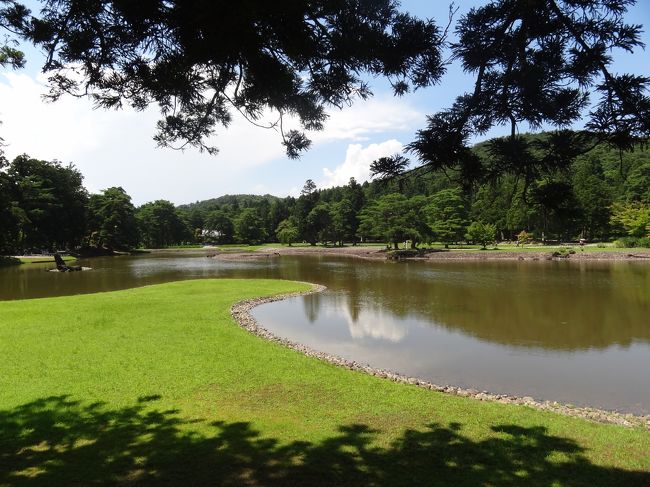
253 248
178 247
158 386
49 259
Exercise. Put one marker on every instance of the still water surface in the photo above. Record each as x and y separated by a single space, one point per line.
576 332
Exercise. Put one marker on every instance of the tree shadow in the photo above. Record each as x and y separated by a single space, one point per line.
57 441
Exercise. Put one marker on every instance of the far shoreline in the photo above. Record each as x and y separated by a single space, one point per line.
437 255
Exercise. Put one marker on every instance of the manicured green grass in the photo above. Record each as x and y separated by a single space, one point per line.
186 246
252 248
45 259
463 247
158 386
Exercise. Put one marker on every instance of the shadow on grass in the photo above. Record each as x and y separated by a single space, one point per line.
57 441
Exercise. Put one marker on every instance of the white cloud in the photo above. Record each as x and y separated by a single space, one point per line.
35 127
115 148
374 323
374 327
365 118
363 320
294 191
357 163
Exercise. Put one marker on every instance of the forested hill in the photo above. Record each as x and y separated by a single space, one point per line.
603 195
235 200
626 175
593 198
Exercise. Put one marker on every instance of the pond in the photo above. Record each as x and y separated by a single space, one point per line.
574 332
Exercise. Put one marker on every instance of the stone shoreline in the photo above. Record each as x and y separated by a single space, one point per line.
241 313
377 253
380 254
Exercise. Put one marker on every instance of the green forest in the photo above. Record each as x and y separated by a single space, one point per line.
603 196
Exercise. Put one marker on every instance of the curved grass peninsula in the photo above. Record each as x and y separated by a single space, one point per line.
158 386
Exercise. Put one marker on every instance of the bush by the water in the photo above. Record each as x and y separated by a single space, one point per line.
404 254
632 242
5 260
564 252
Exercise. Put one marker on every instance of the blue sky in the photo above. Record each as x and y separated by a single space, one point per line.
116 148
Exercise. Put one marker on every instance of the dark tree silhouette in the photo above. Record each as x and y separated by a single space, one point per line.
201 60
390 166
535 65
10 15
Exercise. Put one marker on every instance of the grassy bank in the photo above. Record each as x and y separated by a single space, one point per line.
42 259
6 260
158 386
465 247
253 248
510 248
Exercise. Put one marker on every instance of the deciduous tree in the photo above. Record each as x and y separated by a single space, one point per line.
249 227
49 202
634 218
481 233
219 223
111 220
387 217
287 231
446 215
593 197
160 225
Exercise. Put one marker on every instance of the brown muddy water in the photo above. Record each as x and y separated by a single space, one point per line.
574 332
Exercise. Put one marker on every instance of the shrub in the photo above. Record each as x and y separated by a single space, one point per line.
634 218
643 242
563 252
405 254
481 233
524 237
626 242
7 261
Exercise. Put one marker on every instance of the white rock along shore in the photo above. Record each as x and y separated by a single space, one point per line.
241 313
